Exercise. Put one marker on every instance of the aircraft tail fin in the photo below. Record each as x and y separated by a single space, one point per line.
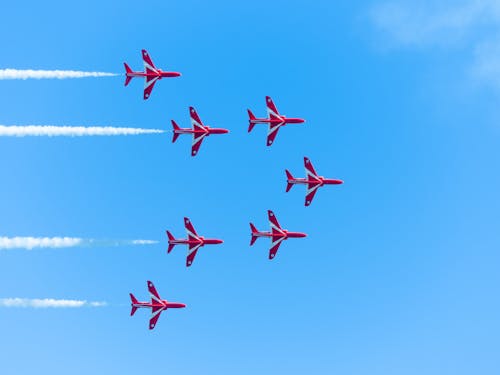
254 232
288 177
133 301
170 238
175 127
251 119
127 72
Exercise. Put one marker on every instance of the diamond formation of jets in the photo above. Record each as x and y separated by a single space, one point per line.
151 74
274 120
193 241
199 131
157 305
312 181
277 234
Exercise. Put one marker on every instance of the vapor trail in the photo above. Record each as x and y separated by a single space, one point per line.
48 303
30 243
49 74
71 131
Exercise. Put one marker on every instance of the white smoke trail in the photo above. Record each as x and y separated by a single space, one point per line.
49 74
48 303
30 243
70 131
144 242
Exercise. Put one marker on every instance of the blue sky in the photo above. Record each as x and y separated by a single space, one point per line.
399 271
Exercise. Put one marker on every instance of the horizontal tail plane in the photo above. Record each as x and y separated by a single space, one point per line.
175 129
134 301
170 238
254 232
289 178
251 119
128 71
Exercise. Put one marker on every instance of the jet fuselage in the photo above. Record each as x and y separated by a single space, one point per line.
283 233
202 240
160 74
208 130
165 304
283 120
321 181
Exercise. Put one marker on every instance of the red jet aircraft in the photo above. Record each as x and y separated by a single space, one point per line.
199 131
151 74
193 241
157 305
312 180
275 120
277 234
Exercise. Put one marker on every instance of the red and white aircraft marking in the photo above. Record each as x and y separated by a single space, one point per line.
157 305
312 180
194 242
277 234
275 120
151 74
199 131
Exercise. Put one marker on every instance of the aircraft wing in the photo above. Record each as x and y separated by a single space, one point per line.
156 312
191 232
310 171
272 133
155 297
149 67
273 222
193 249
195 119
311 191
197 141
272 111
149 83
275 244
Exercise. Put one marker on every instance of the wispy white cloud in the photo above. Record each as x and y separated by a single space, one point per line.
49 74
71 131
421 23
30 243
48 303
472 26
486 66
